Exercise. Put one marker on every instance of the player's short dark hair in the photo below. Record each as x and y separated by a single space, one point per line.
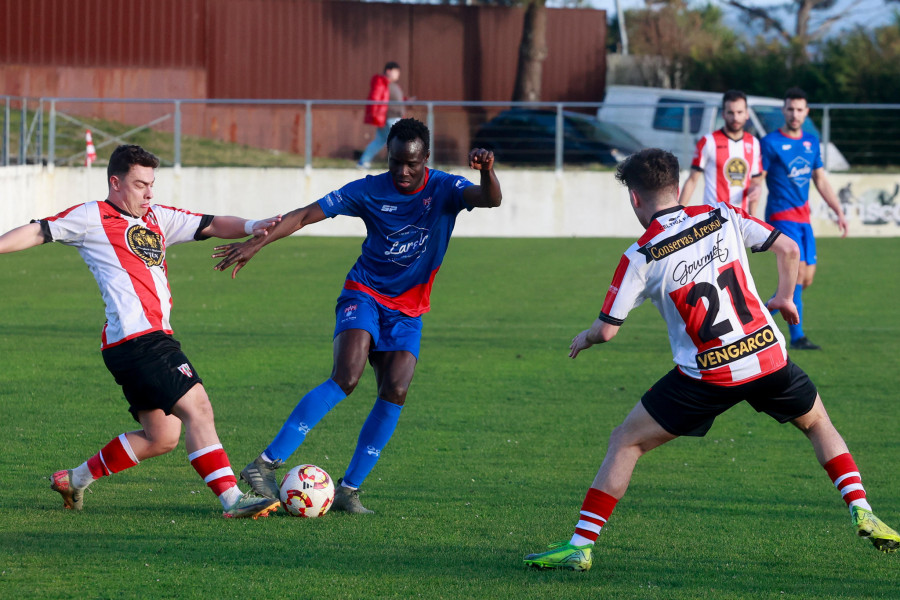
795 93
649 171
391 65
732 95
126 156
410 130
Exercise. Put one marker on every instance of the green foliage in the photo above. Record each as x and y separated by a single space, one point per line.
499 440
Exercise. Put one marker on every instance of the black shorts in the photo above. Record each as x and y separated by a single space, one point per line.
686 406
152 370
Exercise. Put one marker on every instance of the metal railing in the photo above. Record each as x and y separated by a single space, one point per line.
46 130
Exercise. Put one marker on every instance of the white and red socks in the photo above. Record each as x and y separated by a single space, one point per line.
114 457
845 476
211 463
595 512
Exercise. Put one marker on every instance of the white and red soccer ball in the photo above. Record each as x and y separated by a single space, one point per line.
307 491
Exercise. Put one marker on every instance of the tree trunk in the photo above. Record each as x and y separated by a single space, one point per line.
532 52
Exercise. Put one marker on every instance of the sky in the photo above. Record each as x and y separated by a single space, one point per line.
867 13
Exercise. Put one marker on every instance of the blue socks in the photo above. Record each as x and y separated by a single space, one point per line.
308 412
796 331
373 437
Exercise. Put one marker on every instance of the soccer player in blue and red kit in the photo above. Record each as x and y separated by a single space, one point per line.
409 214
791 158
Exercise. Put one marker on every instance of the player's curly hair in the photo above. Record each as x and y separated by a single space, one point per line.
649 171
126 156
409 130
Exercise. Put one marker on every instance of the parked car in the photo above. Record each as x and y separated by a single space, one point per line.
656 117
528 136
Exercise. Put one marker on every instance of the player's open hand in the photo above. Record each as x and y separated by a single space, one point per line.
237 254
481 159
579 343
842 225
262 227
786 307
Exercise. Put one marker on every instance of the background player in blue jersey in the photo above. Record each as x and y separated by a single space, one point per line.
791 158
409 214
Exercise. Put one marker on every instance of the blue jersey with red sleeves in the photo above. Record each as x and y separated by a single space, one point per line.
407 235
789 164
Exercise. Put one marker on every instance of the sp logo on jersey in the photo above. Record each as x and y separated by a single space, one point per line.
146 244
736 171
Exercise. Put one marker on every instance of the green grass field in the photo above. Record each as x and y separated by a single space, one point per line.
499 440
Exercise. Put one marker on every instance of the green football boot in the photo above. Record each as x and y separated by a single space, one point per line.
252 506
869 526
562 555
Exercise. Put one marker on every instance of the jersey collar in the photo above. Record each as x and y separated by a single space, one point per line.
418 189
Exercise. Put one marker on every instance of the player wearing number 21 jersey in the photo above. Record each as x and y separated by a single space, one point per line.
692 264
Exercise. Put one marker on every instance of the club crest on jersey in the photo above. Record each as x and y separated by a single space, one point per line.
407 245
426 202
736 171
186 370
807 145
146 244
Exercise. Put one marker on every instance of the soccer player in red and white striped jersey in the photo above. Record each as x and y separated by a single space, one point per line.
728 159
692 264
123 240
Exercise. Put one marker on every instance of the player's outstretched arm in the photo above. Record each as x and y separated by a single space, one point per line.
21 238
231 228
787 259
599 333
487 194
239 253
827 192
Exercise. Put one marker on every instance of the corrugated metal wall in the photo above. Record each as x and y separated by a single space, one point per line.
287 49
305 48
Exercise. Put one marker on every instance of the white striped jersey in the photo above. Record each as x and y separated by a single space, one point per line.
127 256
692 264
727 167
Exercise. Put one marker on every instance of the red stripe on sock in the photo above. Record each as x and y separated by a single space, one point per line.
600 504
840 465
212 462
112 458
855 495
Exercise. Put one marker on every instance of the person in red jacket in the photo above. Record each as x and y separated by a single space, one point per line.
384 87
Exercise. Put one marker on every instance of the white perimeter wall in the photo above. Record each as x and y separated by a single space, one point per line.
535 203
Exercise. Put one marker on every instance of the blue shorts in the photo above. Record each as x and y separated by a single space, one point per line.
801 233
391 330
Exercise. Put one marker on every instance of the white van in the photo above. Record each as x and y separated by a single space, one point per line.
656 117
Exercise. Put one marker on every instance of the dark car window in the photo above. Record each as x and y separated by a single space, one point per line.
608 133
670 114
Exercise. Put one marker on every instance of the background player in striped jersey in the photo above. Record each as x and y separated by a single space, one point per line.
728 159
791 157
692 264
409 214
123 240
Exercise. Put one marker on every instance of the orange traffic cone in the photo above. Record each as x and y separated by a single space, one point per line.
90 154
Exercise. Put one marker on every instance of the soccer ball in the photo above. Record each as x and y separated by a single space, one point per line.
307 491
